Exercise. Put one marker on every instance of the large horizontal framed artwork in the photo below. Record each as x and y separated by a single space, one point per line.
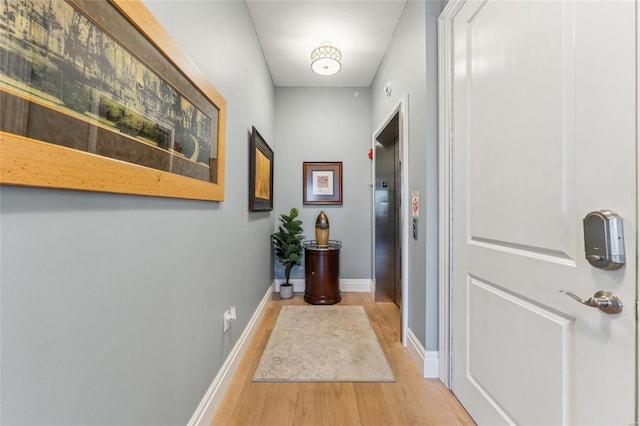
261 173
96 96
322 183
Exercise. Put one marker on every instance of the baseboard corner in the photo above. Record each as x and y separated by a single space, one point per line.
416 350
427 361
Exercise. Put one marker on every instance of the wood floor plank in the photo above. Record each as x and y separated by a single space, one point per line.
310 404
412 400
279 406
372 406
340 403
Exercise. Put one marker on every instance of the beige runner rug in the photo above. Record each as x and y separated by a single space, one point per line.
323 344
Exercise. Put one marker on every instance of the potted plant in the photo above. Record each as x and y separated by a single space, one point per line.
288 247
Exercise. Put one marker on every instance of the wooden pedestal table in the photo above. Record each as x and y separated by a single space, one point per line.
322 273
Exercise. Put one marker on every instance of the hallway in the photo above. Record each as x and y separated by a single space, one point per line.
412 400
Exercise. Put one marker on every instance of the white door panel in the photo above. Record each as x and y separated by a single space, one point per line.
500 372
527 72
544 117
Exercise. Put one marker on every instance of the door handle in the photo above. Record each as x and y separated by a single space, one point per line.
604 300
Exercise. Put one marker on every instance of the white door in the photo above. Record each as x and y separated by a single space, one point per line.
543 132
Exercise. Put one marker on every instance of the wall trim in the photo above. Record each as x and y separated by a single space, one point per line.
416 350
445 72
637 205
356 285
298 285
431 365
361 285
427 361
213 397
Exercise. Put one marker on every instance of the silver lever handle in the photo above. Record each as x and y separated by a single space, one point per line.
604 300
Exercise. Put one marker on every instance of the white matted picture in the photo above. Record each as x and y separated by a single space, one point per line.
322 183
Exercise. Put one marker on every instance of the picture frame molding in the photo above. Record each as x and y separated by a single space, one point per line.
258 144
335 170
29 162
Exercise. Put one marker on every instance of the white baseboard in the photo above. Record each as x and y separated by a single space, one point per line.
356 285
431 365
346 285
298 285
426 361
416 350
211 401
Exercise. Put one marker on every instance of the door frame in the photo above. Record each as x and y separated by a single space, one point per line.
445 213
637 249
401 107
445 216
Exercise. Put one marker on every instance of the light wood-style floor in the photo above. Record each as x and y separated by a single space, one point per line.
412 400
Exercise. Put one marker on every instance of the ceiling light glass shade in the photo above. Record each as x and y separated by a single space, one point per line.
325 60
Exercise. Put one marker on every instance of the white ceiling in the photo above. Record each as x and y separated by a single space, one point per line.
289 30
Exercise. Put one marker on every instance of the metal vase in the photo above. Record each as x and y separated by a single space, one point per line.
322 229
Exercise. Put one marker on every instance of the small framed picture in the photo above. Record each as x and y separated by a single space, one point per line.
260 174
322 183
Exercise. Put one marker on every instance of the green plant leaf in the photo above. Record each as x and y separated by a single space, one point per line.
287 241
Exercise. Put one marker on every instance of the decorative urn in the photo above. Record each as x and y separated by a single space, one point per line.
322 229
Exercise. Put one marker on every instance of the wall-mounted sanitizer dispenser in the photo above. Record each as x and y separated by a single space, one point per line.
603 239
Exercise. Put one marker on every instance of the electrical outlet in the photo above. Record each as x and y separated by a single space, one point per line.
227 320
232 312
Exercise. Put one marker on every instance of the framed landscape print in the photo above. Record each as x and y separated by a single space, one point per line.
322 183
96 96
260 173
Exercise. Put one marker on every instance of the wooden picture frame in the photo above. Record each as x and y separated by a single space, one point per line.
260 173
108 102
322 183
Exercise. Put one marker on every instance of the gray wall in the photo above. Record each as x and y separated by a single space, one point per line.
411 71
111 309
327 124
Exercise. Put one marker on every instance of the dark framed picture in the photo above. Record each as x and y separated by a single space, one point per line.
98 97
260 173
322 183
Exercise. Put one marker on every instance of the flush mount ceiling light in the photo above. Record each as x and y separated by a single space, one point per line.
325 60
